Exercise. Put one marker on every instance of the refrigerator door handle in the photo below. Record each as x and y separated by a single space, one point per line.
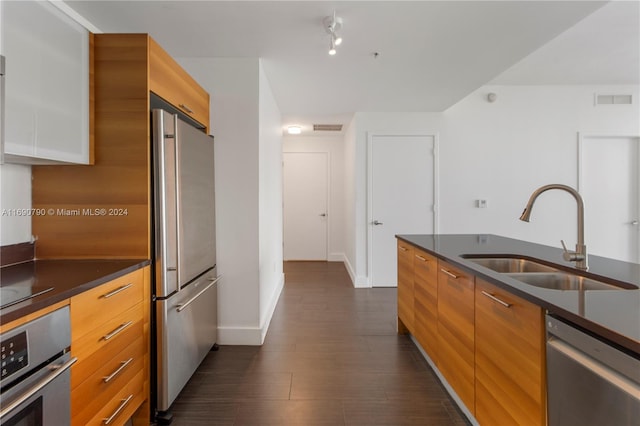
182 306
167 249
178 199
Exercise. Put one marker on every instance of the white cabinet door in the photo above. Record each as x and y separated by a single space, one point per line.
46 84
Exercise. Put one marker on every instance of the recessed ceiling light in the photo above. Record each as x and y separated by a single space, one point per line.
294 130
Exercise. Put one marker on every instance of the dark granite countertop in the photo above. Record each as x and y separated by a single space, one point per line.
610 314
66 278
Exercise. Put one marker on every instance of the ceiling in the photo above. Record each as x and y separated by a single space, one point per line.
430 54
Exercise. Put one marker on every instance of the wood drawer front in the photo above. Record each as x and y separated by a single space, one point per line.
134 389
425 266
426 316
94 392
94 307
131 325
405 285
172 83
510 359
456 331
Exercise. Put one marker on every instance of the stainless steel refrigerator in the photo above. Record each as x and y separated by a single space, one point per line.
185 290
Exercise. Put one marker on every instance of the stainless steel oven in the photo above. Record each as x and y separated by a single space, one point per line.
35 376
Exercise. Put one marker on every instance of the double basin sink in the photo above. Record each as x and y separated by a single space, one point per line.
541 275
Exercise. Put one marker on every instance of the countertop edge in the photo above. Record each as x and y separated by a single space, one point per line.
37 304
592 327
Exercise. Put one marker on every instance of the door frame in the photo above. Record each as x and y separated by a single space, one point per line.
583 136
436 188
328 217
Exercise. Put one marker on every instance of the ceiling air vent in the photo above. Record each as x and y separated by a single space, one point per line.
327 127
614 99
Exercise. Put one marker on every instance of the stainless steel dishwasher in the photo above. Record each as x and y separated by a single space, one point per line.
589 382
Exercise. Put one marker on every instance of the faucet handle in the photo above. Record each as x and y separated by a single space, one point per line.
569 256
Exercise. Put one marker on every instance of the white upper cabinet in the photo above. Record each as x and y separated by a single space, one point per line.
46 84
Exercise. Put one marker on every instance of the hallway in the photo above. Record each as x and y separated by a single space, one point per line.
331 357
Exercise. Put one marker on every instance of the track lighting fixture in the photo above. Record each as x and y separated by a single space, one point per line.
332 24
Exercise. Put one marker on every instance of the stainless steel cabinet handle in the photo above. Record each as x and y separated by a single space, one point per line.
455 277
186 108
116 291
117 330
182 306
495 299
123 365
118 410
421 258
402 248
57 370
375 222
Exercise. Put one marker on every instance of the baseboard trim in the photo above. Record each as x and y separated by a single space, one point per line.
266 319
252 336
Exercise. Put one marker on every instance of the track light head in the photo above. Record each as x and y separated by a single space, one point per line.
331 25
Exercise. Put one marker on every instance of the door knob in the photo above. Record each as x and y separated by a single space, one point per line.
375 222
323 214
634 222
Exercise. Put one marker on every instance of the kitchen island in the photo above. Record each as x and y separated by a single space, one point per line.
482 328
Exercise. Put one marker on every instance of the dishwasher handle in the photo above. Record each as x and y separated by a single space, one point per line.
596 367
596 349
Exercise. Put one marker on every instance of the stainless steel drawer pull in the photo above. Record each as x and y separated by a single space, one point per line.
402 248
117 330
495 299
455 277
421 258
55 372
116 291
120 408
186 108
182 306
123 365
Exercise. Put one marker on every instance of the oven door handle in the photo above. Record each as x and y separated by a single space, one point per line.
57 370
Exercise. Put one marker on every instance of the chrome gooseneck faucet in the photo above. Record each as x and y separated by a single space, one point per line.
580 255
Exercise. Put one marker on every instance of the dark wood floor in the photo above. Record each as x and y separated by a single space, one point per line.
331 357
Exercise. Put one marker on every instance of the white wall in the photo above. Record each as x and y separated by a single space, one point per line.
248 164
525 139
334 147
15 193
500 152
270 202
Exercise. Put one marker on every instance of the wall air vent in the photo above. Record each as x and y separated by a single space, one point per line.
614 99
327 127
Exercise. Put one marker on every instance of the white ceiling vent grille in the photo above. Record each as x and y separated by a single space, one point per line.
327 127
614 99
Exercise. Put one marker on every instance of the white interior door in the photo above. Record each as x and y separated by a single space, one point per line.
305 195
610 186
401 198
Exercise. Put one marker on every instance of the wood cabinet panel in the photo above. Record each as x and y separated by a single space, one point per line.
405 287
97 339
456 331
509 360
90 396
172 83
95 307
129 397
425 289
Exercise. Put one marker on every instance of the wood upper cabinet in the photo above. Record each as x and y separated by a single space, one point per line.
510 358
118 185
425 288
456 331
405 287
172 83
110 338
